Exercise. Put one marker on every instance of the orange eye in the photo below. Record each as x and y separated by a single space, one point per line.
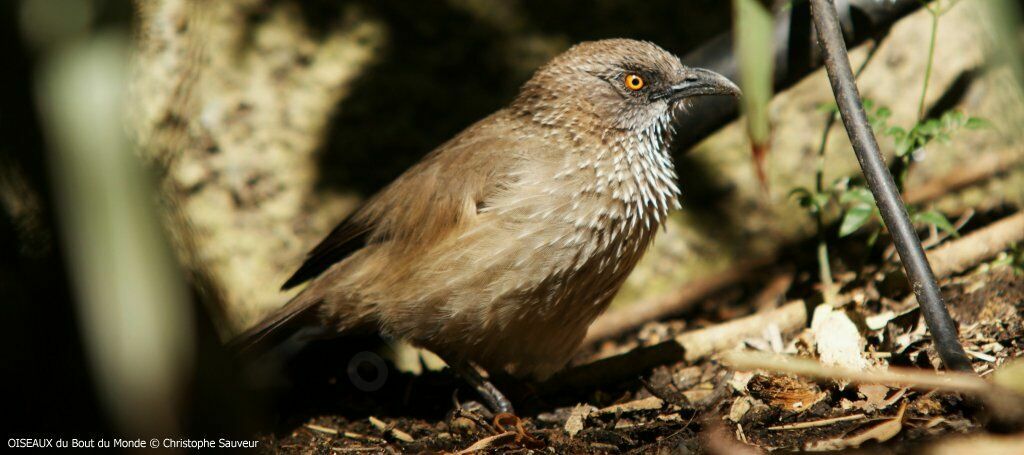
634 82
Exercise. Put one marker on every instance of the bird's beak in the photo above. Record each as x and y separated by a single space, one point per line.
700 82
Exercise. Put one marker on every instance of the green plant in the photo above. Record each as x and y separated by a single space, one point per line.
854 202
906 142
850 199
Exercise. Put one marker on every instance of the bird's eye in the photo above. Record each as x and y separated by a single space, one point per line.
634 82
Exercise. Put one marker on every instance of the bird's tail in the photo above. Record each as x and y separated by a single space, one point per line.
279 326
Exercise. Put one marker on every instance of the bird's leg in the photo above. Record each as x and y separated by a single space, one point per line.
491 395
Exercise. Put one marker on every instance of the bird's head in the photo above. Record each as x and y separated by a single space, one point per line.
615 84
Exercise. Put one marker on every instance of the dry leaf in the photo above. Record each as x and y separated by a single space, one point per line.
739 408
785 392
577 420
874 397
881 433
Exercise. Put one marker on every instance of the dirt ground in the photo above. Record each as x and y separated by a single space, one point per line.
611 401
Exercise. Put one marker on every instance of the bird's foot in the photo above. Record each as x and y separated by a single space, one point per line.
493 397
474 407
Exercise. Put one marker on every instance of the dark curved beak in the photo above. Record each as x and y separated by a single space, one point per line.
699 82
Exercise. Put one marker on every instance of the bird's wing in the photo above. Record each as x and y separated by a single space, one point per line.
426 203
347 237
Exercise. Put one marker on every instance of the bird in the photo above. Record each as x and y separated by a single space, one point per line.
501 246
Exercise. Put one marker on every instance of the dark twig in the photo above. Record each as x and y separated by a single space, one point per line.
887 197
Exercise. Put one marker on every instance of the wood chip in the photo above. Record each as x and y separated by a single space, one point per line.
378 424
980 355
320 429
817 423
346 434
487 442
739 408
646 404
577 420
874 396
391 431
401 435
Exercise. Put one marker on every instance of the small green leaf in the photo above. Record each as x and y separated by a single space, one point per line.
959 118
829 107
820 200
803 197
809 199
873 238
929 128
854 218
896 132
977 123
952 120
905 145
938 220
857 195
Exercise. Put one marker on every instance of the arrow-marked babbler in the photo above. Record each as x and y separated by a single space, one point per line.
502 245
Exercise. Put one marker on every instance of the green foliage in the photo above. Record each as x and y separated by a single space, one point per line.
860 208
809 199
934 218
921 134
852 200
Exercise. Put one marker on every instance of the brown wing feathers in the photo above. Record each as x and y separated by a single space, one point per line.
418 209
343 240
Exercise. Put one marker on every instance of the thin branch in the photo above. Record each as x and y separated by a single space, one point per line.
986 243
1004 404
978 169
930 62
887 197
824 266
620 321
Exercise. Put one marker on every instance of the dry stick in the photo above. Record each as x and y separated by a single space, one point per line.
620 321
979 170
1002 402
952 258
817 423
772 294
968 251
894 376
933 238
882 186
701 343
